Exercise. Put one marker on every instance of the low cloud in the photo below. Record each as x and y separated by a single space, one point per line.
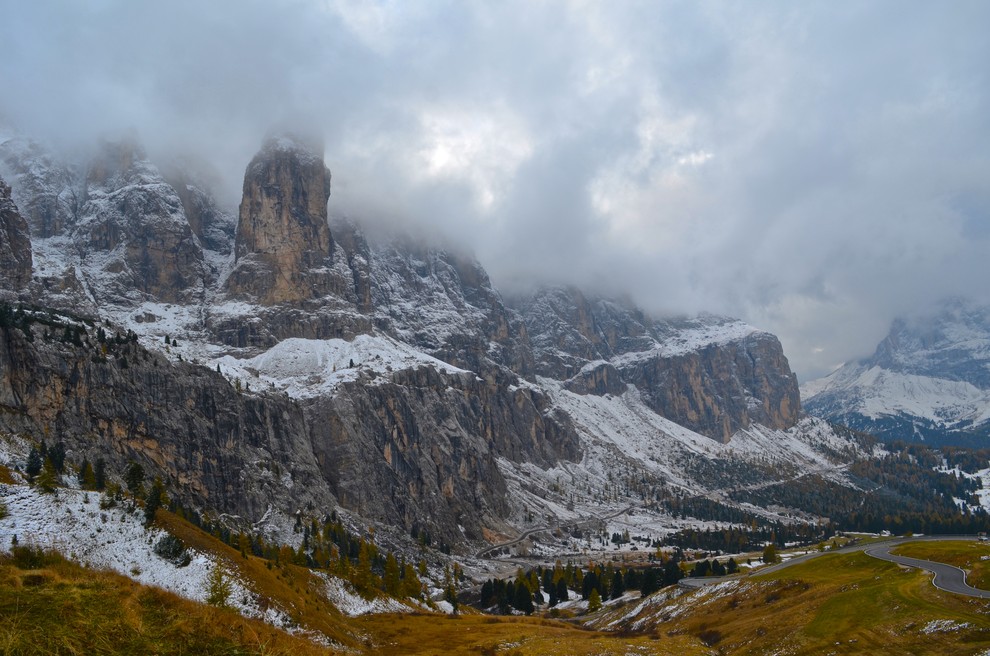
814 168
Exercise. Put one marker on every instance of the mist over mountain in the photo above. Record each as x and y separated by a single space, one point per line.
798 167
927 381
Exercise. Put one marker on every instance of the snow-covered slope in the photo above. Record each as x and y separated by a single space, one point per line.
305 368
632 457
929 380
82 526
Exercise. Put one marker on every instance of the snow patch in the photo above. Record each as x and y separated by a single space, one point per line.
305 368
73 523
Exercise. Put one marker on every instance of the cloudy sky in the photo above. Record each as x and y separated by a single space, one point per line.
813 167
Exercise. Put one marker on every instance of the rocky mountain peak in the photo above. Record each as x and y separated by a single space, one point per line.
118 163
212 225
132 232
929 379
42 187
952 343
283 246
15 243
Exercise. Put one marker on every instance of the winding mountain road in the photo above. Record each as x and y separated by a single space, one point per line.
946 577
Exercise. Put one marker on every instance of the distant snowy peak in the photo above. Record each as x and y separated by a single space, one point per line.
929 379
875 392
953 343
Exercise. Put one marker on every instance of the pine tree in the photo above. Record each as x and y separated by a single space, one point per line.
364 578
449 590
770 554
57 454
594 601
34 464
650 583
393 584
85 477
487 593
100 474
524 598
153 502
135 479
218 587
618 585
411 585
47 480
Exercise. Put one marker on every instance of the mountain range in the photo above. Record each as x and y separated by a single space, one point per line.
276 363
928 381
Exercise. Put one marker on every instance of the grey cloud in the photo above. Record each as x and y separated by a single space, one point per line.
815 167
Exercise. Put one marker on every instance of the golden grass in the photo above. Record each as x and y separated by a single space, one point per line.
837 603
287 586
63 608
6 476
428 635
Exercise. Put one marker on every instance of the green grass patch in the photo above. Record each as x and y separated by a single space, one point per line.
967 555
837 603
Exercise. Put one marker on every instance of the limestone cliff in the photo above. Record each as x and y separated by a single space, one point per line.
416 449
452 400
210 223
283 245
15 244
712 375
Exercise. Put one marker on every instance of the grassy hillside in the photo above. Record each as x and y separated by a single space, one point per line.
285 585
838 603
51 606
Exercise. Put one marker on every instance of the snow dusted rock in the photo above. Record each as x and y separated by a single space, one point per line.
133 234
43 188
212 226
928 380
444 304
15 243
450 394
713 375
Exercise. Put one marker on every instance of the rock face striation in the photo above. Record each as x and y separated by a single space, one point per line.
419 449
15 243
283 247
133 232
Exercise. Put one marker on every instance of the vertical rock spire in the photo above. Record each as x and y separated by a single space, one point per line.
283 245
